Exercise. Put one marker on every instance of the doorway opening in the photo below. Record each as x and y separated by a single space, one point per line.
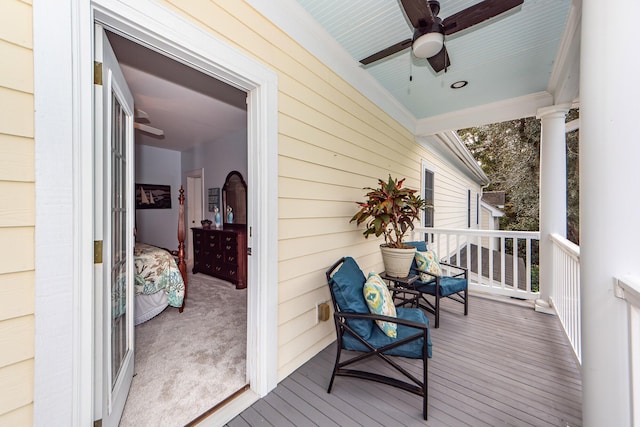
195 208
189 121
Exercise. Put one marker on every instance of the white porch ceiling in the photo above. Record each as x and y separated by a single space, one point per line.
511 57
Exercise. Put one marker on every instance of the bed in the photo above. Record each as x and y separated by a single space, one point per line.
160 275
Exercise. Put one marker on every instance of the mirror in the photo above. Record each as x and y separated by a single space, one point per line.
234 199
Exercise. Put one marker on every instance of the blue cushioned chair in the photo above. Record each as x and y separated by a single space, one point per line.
357 331
455 287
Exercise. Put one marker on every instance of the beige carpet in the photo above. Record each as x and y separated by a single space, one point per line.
187 362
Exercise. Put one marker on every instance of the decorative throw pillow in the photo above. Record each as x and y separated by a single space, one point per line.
427 262
380 301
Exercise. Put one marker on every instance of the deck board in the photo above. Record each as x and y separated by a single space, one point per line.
503 364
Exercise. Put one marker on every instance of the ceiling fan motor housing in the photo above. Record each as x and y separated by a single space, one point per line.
428 40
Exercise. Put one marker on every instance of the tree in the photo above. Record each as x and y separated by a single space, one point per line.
509 154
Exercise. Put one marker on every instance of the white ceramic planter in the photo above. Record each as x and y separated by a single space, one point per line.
397 262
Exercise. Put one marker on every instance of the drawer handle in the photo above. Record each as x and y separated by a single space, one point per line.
232 272
218 268
231 258
218 256
228 247
228 239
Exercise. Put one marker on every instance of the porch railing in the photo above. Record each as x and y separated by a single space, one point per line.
499 262
628 288
566 289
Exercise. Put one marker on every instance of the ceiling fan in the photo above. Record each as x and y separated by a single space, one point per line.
142 116
428 36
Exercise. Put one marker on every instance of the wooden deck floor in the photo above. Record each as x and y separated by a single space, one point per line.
503 365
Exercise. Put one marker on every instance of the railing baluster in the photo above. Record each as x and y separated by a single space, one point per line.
528 265
479 258
491 249
503 260
515 278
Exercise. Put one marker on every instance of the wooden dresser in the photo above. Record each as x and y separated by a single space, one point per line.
221 253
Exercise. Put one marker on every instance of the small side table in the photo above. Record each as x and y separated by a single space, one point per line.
399 283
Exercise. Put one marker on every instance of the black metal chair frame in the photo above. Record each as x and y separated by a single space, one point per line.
417 386
434 307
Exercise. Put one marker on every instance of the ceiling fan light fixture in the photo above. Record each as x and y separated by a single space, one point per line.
427 45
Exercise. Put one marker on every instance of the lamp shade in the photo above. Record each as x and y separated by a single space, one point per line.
428 45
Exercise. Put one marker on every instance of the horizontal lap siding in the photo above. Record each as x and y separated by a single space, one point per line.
332 142
17 214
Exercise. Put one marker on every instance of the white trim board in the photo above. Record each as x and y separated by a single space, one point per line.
63 57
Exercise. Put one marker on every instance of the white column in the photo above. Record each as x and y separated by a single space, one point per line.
553 194
609 202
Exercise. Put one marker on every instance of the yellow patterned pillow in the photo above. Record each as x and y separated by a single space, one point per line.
380 301
427 262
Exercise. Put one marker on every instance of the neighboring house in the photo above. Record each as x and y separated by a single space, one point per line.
314 141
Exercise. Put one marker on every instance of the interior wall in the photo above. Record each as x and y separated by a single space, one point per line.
218 158
158 227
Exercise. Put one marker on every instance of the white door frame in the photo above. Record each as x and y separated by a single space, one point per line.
63 73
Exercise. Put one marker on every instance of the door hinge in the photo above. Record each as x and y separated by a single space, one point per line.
97 73
97 423
97 251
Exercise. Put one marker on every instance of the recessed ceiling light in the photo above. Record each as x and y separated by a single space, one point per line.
459 84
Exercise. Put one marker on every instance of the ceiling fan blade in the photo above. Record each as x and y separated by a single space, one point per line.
139 114
386 52
477 13
148 129
418 12
440 61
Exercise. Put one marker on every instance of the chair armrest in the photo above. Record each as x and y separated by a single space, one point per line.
389 319
454 266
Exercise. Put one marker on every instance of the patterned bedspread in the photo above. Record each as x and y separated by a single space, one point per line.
156 269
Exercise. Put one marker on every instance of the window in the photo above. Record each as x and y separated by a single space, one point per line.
428 197
468 208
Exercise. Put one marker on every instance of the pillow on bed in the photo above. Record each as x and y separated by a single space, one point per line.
379 300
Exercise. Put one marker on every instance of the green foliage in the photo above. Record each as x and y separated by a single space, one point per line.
573 182
389 210
509 154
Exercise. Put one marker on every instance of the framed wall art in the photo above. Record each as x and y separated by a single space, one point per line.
151 196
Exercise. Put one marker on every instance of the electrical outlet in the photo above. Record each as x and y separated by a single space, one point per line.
322 311
318 311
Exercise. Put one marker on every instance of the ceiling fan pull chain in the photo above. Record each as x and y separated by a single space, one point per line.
410 69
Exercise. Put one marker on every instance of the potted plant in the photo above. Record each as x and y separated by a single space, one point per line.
390 210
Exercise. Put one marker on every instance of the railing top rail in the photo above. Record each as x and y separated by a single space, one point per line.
566 245
483 233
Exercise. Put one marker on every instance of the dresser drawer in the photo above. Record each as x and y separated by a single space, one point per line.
221 253
227 271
